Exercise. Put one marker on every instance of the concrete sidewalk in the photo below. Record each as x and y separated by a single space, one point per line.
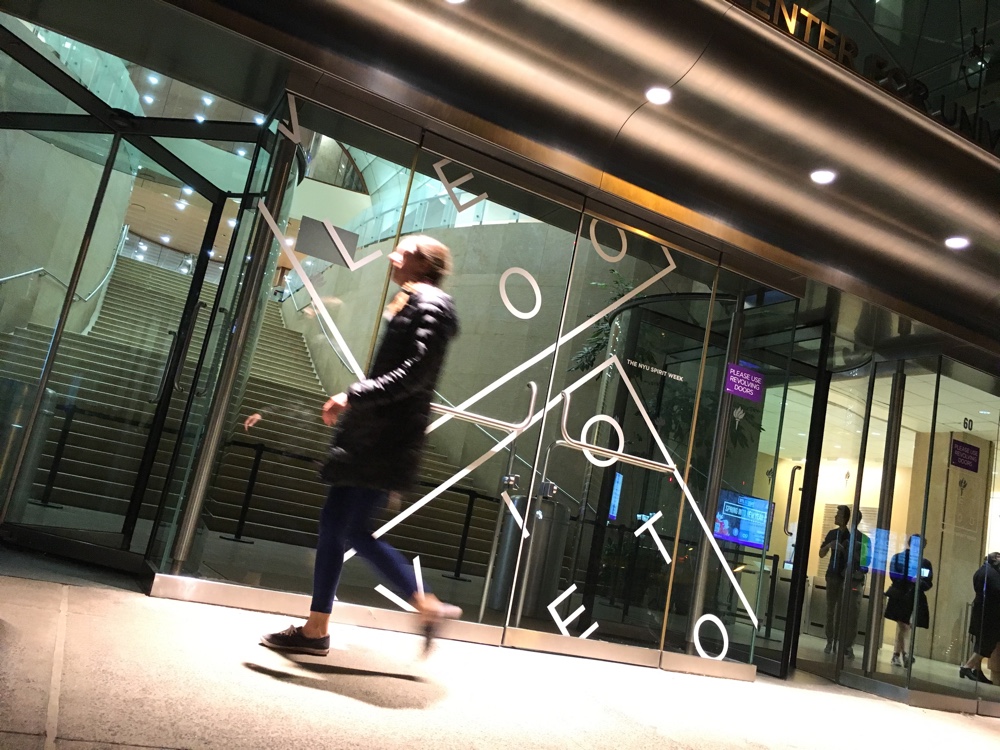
89 666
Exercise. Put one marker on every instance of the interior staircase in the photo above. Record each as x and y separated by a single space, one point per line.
111 376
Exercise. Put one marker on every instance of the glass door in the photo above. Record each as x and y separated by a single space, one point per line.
114 244
756 476
129 329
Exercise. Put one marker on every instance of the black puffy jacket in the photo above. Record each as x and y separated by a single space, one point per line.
378 439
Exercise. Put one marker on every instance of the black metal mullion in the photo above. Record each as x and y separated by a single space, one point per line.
50 73
176 166
51 122
210 130
117 121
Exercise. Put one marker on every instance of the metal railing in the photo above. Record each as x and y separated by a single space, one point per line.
43 273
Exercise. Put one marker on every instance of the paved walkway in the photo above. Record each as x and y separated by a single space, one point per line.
85 664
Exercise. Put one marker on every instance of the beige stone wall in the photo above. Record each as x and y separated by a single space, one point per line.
957 506
46 195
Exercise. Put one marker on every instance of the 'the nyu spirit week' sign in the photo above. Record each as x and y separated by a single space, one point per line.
745 383
965 456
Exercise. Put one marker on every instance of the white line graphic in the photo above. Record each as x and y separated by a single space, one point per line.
602 462
562 340
397 600
352 264
697 639
560 623
648 526
418 575
611 361
313 295
295 135
462 473
597 245
450 186
534 287
513 512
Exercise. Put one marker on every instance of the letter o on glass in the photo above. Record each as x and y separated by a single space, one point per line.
597 245
697 637
534 287
615 426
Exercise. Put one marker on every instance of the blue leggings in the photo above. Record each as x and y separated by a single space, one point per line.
345 523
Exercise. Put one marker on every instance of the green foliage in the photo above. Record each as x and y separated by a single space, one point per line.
597 343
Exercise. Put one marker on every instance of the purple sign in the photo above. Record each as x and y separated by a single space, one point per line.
964 456
745 383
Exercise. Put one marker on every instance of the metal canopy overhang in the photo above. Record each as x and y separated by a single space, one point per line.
753 113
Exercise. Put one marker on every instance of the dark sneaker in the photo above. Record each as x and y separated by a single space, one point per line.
293 641
433 623
829 648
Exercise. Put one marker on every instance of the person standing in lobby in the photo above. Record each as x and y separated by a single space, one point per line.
912 576
984 624
377 443
835 544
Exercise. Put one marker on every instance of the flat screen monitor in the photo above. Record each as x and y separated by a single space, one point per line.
742 519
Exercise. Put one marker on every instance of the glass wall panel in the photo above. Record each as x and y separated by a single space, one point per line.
319 330
597 565
109 367
47 190
958 505
125 85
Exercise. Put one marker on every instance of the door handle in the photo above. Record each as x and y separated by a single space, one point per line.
166 365
184 348
791 491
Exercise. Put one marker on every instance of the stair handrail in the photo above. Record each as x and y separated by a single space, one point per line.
114 262
42 271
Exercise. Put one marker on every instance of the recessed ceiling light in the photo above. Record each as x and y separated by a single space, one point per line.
658 95
200 118
153 79
164 238
231 222
289 241
241 152
148 98
207 101
187 190
140 256
259 119
957 243
142 245
211 253
68 45
184 270
823 176
181 205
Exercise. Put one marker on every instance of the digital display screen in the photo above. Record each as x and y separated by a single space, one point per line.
616 494
742 519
